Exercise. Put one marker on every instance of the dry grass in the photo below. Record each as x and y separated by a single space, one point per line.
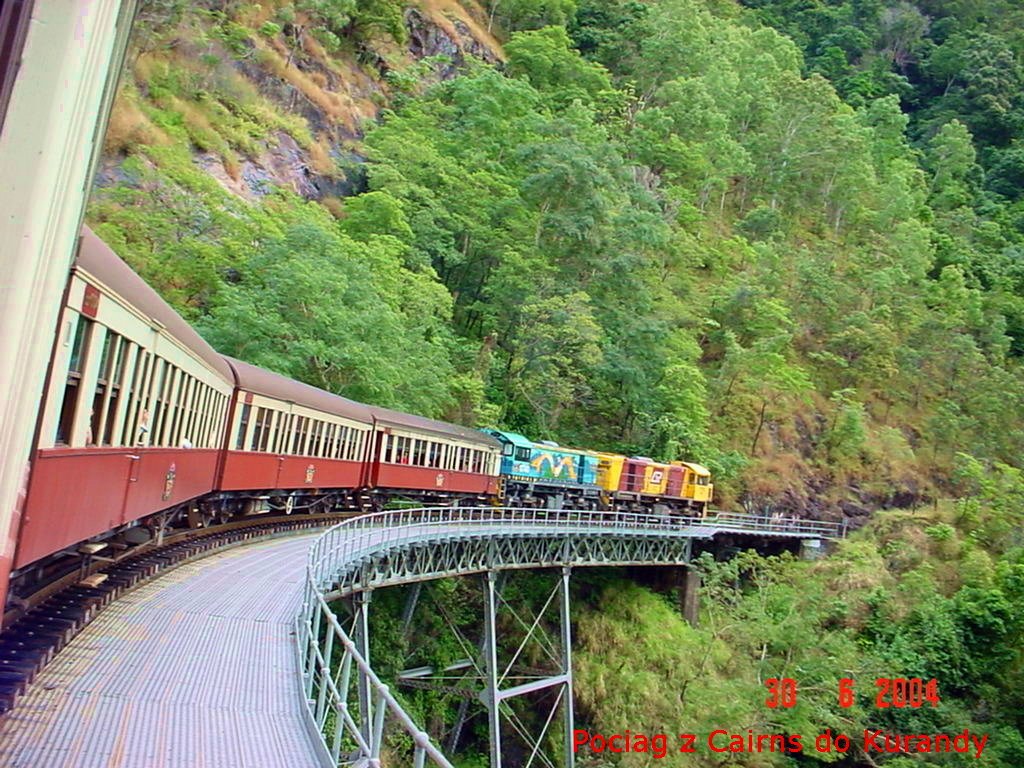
443 12
334 206
232 166
129 127
320 159
337 107
253 15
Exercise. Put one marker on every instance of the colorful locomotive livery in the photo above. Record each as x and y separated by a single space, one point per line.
145 428
547 474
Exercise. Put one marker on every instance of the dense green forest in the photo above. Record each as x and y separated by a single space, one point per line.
784 238
660 228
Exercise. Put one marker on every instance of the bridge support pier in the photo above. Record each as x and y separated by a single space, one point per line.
494 695
689 596
567 706
361 607
491 698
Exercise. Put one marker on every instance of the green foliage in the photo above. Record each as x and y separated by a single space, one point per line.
530 14
355 335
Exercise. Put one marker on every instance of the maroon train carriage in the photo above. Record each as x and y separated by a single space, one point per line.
432 461
144 424
289 442
133 418
293 446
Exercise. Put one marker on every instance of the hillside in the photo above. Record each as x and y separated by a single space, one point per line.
780 237
662 228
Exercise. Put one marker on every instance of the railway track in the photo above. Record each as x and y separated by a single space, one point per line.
57 612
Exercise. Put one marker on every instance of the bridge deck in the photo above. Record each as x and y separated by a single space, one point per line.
196 669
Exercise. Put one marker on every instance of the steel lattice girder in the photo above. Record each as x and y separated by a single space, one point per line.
432 559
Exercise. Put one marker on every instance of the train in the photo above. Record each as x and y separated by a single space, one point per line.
144 429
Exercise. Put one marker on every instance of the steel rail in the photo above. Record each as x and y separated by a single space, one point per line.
398 547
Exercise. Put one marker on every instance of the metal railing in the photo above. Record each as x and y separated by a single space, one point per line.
335 687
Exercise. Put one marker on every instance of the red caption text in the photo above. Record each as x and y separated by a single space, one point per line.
894 693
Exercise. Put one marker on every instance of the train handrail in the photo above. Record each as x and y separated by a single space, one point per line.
350 543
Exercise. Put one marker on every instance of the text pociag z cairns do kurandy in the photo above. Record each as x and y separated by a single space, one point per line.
896 693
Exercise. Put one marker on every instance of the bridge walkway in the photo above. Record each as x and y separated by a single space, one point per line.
196 669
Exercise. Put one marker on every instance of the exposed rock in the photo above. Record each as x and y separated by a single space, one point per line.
334 97
110 171
428 39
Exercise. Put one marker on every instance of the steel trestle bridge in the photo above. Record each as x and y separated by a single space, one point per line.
348 705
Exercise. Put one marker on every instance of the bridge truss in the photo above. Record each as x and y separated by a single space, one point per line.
348 705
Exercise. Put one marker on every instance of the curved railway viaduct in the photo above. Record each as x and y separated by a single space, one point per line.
240 659
348 705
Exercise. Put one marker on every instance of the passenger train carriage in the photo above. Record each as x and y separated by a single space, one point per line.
145 428
286 436
129 383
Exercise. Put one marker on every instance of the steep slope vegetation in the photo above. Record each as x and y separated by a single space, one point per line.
643 227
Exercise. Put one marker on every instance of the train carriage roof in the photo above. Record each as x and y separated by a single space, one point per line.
96 259
697 468
415 423
260 381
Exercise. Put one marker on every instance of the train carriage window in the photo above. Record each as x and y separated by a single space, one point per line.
182 407
203 418
83 332
243 425
151 407
318 447
338 443
523 453
283 427
272 429
215 420
343 437
168 405
183 434
195 427
161 385
419 451
120 396
258 427
108 388
209 440
298 435
432 454
329 439
128 437
175 408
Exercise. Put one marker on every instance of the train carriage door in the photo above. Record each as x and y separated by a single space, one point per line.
376 457
630 475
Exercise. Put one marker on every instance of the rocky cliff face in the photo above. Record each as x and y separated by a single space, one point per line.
265 106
